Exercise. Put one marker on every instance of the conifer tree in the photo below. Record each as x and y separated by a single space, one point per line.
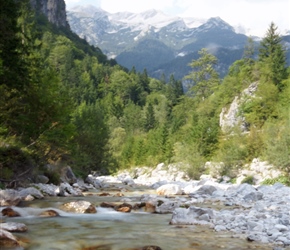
272 57
203 76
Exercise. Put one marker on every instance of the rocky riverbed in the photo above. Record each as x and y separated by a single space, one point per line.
255 214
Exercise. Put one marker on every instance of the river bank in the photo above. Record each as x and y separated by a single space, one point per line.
141 208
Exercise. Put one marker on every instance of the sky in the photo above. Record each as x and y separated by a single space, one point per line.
254 15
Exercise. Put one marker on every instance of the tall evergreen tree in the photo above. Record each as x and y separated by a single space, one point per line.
150 120
203 76
272 57
14 69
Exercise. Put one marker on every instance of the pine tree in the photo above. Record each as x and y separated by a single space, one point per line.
272 57
203 76
150 120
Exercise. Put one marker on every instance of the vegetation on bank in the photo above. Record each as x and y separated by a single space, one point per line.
63 102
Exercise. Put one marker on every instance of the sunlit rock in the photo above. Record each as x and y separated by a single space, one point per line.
166 206
192 215
124 207
7 239
13 227
47 189
81 207
32 191
49 213
9 197
169 189
65 189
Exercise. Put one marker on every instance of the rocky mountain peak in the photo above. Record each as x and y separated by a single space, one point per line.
216 23
86 11
54 10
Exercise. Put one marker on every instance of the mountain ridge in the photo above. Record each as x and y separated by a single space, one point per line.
129 38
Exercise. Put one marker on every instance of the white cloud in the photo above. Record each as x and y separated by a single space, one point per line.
135 6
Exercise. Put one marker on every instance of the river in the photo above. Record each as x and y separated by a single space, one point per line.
111 230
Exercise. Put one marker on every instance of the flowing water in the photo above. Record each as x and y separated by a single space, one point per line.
111 230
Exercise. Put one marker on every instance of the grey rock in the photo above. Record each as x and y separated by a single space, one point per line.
41 179
67 175
9 197
8 240
13 227
253 196
31 191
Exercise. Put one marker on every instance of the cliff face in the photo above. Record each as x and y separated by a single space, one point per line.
54 10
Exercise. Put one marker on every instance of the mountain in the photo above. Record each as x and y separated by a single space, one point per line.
54 10
155 41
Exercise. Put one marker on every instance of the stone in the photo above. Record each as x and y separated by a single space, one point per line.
67 175
65 189
41 179
253 196
206 190
49 213
47 189
150 208
166 207
281 228
8 240
219 228
13 227
31 191
151 248
107 205
192 215
125 208
9 197
81 207
9 212
169 189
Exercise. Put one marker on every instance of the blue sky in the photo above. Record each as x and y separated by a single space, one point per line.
254 15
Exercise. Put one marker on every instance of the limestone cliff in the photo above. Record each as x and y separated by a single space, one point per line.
231 117
54 10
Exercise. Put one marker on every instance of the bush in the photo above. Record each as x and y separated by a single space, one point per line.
189 156
282 179
249 179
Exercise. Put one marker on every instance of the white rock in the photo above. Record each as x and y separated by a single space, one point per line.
169 189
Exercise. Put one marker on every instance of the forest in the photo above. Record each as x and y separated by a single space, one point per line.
64 103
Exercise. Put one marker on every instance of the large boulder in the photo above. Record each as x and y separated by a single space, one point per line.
67 175
9 197
32 191
169 189
80 207
65 189
47 189
8 240
13 227
192 215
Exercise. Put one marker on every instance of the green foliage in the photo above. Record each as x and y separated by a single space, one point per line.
262 106
249 179
91 137
61 99
278 144
190 157
15 164
281 179
204 77
272 58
